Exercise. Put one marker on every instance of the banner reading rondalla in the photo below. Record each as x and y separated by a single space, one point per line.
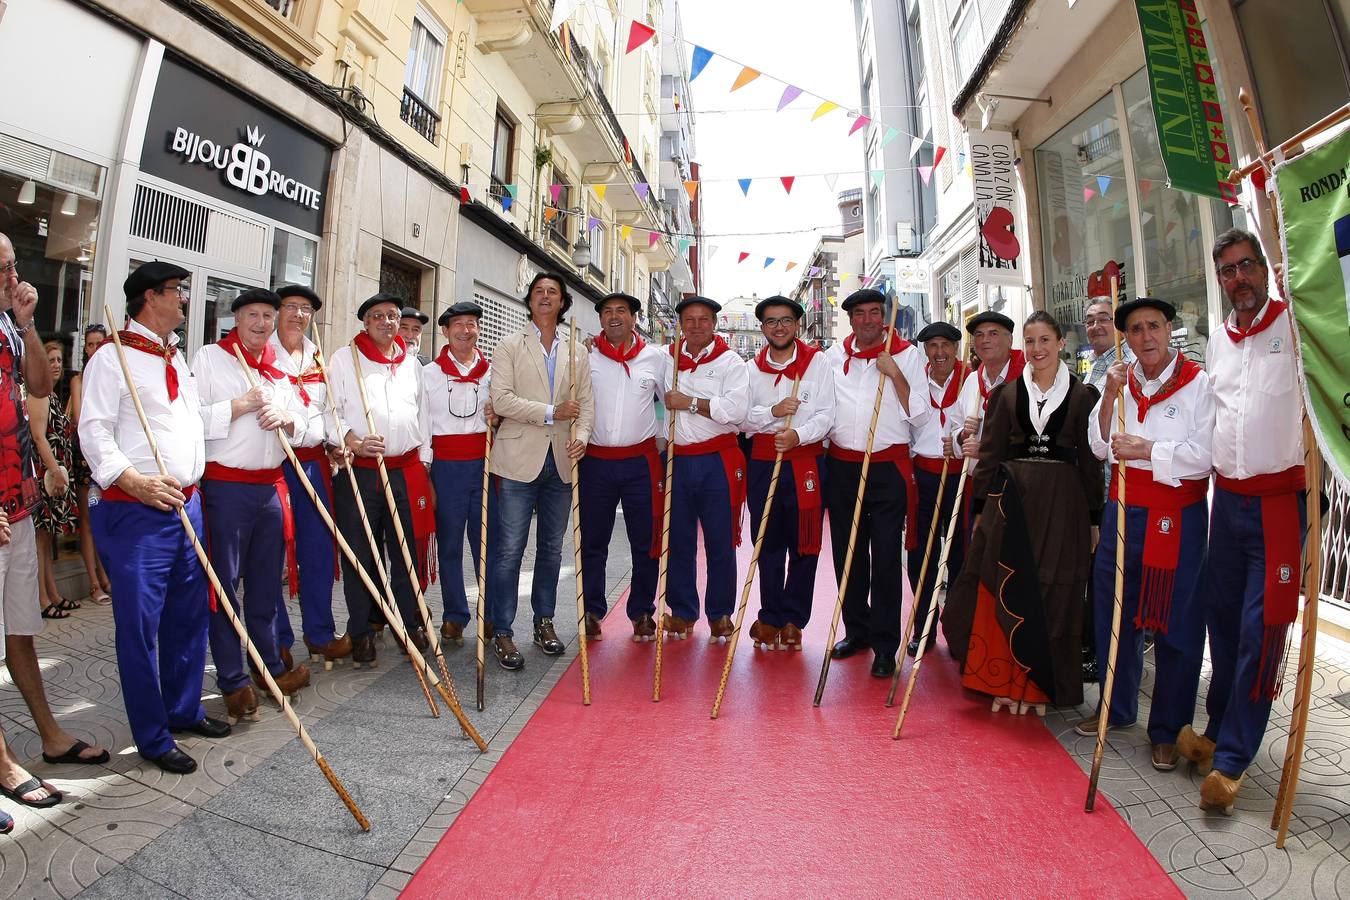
1314 196
1191 128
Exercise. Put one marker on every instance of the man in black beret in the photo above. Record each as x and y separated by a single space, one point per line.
410 327
245 495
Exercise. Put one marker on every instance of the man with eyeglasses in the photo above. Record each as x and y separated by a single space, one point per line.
1250 586
622 464
411 323
458 415
792 534
318 451
160 595
393 388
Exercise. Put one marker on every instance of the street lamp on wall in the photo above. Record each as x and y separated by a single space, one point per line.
581 252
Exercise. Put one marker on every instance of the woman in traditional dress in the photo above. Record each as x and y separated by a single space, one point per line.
1014 617
99 585
55 515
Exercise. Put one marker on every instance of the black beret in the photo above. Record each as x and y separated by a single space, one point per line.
866 295
255 295
151 275
939 330
376 301
992 317
633 303
462 308
410 312
1123 310
695 299
299 290
778 300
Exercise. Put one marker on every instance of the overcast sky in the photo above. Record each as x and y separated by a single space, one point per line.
810 44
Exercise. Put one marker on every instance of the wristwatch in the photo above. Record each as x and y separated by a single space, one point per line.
24 329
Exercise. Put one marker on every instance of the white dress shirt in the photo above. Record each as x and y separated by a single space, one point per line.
815 416
1181 429
855 394
111 437
625 402
928 438
240 443
724 383
454 407
319 421
1258 427
395 401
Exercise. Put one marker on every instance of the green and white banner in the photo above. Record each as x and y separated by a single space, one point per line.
1314 196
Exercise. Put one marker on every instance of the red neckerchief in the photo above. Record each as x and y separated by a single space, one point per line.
480 367
1182 375
1017 361
265 365
687 362
314 375
609 351
154 348
897 344
793 370
371 352
951 392
1273 310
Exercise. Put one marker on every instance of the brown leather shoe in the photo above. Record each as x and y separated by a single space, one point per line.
593 632
1219 791
546 639
1088 727
420 640
241 703
453 631
790 637
507 655
720 630
293 679
764 636
1165 757
336 650
644 628
363 651
675 627
1197 748
286 659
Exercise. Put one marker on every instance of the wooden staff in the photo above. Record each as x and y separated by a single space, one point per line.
1104 708
857 510
390 608
1312 549
482 571
663 567
576 521
754 558
223 599
923 573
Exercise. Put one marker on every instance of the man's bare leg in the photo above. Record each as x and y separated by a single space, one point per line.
21 659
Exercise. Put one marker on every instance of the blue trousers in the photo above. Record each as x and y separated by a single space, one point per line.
928 483
247 543
701 497
605 483
787 577
550 498
362 609
160 610
1234 597
876 574
1179 651
459 511
314 554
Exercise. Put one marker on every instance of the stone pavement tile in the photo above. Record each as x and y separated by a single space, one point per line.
389 886
218 765
1212 881
122 883
211 856
38 860
119 819
1296 872
1164 834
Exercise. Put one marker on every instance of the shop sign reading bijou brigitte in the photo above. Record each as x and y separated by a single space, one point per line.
244 165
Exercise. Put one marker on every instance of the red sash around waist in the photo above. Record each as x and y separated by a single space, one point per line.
647 450
217 472
117 495
933 465
1162 539
733 464
419 496
898 454
805 459
459 447
1284 550
319 454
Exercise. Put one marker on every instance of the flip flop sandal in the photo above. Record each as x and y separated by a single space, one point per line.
72 757
6 822
68 605
32 784
54 611
100 597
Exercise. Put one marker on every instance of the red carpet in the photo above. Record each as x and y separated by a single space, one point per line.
631 798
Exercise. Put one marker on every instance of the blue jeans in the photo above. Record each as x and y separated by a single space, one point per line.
459 514
550 498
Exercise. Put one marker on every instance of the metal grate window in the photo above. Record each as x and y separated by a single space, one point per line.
157 215
501 316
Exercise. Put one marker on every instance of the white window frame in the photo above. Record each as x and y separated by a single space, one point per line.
431 29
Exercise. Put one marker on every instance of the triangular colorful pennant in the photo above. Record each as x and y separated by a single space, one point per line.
891 134
684 245
1088 194
937 157
511 189
790 267
561 10
915 146
790 93
878 176
813 272
858 123
625 231
554 190
550 214
787 182
652 238
642 189
1145 188
742 258
638 34
768 261
823 108
1103 182
507 200
745 185
691 188
830 181
747 75
464 196
592 223
712 250
600 190
926 173
699 61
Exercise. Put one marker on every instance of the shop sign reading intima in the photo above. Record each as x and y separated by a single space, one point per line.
244 165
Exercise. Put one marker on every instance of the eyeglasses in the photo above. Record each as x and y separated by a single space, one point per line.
1245 266
303 310
465 410
11 266
780 322
177 289
383 317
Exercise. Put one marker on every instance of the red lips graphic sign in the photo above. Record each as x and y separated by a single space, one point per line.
993 170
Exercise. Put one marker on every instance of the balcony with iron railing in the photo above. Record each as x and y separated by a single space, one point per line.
285 26
419 115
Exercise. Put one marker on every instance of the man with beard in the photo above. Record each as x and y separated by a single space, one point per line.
410 326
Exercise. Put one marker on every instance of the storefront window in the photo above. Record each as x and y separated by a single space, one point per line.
54 231
293 259
1085 213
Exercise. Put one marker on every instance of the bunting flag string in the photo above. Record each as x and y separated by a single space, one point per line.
790 93
638 34
787 182
747 75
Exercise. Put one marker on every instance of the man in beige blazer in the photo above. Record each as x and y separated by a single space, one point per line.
531 388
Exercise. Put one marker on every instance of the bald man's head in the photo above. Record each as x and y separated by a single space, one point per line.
9 272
